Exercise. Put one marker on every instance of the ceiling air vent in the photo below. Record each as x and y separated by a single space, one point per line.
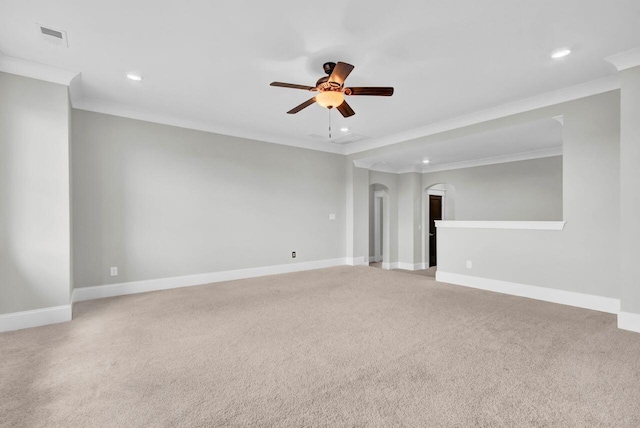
53 36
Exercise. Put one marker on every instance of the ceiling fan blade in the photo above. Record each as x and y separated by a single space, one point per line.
291 85
340 72
301 106
345 109
375 90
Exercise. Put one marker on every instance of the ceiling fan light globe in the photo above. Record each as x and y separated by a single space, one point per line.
330 99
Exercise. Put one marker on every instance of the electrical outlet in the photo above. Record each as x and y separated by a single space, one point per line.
469 264
114 271
332 216
293 254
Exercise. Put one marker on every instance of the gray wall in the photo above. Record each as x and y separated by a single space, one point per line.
35 253
584 256
409 200
523 190
160 201
630 191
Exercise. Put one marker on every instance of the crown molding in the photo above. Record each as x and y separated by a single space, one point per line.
378 167
374 165
72 79
35 70
571 93
130 112
536 154
625 60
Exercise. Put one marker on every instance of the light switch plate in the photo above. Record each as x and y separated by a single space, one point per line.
332 216
114 271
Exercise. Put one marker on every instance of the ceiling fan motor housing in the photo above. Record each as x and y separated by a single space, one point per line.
328 67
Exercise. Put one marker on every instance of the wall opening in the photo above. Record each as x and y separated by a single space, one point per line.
379 226
446 193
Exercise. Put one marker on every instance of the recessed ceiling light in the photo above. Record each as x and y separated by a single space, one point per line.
344 129
134 77
560 53
425 161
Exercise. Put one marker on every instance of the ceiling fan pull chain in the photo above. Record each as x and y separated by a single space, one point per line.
329 110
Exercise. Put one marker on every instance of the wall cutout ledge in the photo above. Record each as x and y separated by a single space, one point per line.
531 225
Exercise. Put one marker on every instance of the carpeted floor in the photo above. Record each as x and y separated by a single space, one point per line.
345 346
430 272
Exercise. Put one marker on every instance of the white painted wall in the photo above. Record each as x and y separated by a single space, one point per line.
35 253
160 201
523 190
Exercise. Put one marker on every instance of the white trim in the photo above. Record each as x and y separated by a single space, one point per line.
378 197
531 225
121 289
373 164
426 206
130 112
625 60
353 261
536 154
571 93
389 266
570 298
35 70
375 259
629 321
35 318
377 166
436 192
409 266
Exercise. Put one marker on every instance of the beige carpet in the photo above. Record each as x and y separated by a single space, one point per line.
430 272
334 347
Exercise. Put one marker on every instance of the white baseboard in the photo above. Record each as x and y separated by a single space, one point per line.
133 287
629 321
355 261
570 298
389 266
375 259
409 266
35 318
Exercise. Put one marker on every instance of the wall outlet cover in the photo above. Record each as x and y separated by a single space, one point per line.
114 271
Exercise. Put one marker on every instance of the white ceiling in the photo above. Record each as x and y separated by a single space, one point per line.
211 62
532 140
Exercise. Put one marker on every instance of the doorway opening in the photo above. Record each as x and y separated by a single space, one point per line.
439 204
379 226
435 214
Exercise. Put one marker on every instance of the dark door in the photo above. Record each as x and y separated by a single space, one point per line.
435 213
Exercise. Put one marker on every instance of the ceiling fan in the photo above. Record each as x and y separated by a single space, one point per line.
331 90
